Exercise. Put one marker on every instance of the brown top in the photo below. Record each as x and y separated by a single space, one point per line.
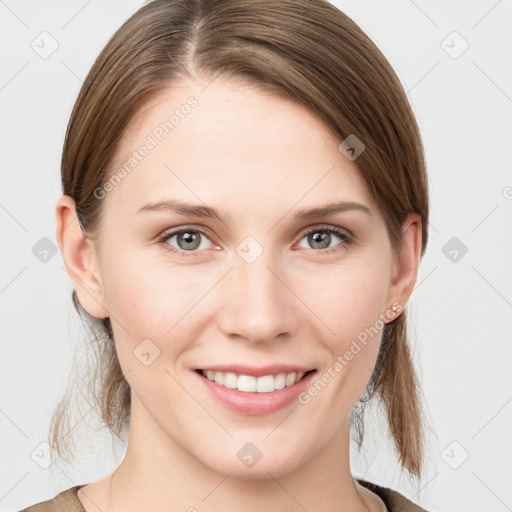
67 501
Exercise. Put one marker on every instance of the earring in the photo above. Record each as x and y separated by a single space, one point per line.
394 308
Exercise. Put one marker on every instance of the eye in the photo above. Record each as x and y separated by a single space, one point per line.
320 237
187 239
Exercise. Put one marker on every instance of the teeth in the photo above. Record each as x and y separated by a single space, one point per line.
230 380
248 383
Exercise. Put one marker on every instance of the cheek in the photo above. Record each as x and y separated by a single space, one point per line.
350 298
144 292
149 298
351 304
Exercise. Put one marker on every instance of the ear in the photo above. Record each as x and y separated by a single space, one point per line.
405 271
80 258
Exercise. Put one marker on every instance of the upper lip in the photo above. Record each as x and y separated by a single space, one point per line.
243 369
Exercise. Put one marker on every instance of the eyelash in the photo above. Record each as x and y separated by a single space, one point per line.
343 235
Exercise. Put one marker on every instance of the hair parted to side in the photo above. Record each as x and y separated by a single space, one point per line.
304 50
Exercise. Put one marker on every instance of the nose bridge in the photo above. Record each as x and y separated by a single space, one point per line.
258 305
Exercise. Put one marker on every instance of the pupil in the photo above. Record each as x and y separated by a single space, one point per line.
320 239
190 238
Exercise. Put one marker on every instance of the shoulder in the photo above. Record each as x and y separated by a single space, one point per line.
65 501
394 501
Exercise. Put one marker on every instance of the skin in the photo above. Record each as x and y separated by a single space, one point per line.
259 158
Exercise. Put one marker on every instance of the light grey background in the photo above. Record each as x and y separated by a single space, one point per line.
461 308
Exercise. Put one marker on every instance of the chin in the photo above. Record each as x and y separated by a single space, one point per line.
262 468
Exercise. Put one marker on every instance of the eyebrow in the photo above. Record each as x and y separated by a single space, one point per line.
193 210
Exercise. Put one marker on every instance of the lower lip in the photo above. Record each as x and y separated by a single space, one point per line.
256 404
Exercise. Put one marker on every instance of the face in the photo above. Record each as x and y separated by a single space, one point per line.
261 285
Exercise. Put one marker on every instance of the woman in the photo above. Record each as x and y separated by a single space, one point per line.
244 210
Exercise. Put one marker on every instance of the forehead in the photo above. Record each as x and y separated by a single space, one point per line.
231 144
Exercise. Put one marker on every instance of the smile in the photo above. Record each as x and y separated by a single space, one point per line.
252 384
251 395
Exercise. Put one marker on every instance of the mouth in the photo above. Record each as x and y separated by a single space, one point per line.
258 391
254 384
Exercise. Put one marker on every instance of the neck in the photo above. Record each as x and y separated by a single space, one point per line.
159 474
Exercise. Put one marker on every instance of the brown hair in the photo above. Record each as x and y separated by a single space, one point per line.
305 50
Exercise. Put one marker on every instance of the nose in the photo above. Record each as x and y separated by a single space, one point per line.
258 305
